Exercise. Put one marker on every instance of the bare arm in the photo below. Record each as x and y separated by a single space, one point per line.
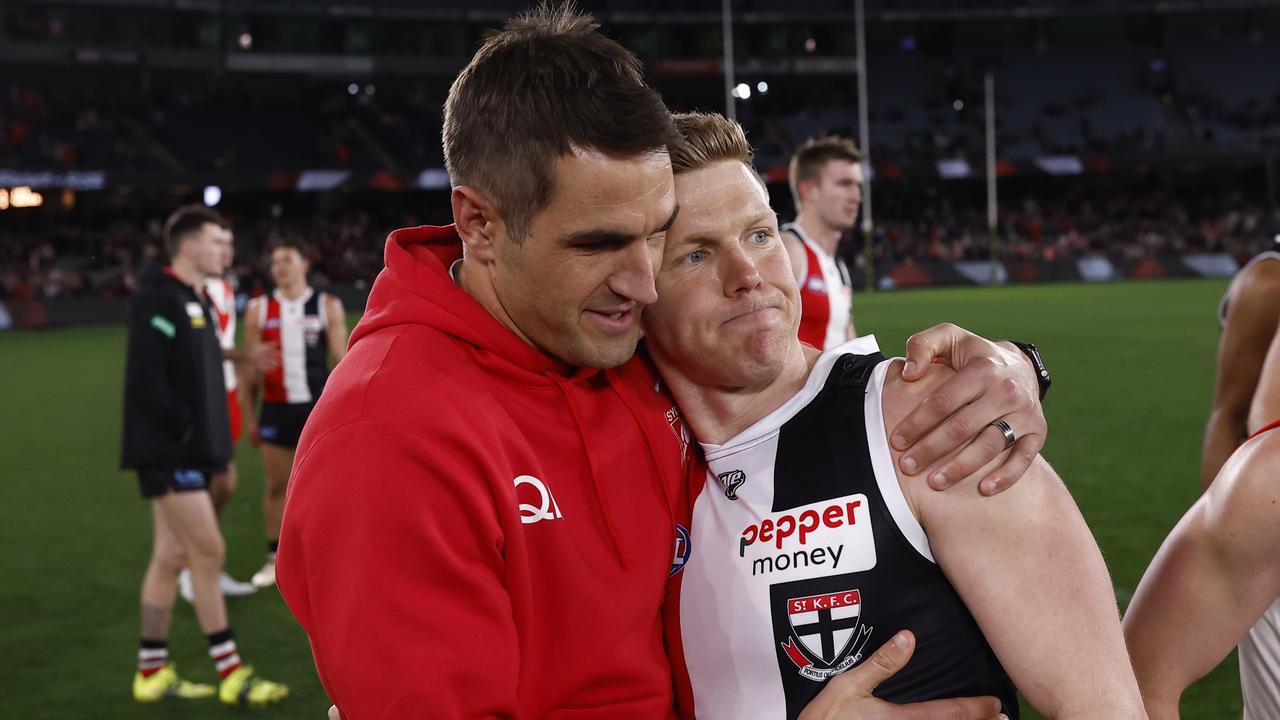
335 328
1265 407
263 360
1028 569
1211 580
251 376
1252 315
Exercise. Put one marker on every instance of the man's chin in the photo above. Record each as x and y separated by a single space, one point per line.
754 372
605 353
770 351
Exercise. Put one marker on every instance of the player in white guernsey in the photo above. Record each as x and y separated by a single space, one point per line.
807 547
306 330
1249 315
826 179
1215 581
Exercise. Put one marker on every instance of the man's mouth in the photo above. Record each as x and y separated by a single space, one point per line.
749 312
614 319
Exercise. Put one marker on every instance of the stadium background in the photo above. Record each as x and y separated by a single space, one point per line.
1135 141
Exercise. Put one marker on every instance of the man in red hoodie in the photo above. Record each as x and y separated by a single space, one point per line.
481 517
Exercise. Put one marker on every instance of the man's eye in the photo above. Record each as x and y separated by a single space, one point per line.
696 256
760 237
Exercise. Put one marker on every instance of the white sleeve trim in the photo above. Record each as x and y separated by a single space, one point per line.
882 463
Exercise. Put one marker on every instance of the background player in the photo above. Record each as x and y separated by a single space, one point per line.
222 485
1249 314
305 331
774 419
826 185
176 433
1215 581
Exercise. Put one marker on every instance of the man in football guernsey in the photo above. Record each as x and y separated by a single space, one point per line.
1249 315
175 436
826 184
808 548
306 331
222 485
1214 585
1215 582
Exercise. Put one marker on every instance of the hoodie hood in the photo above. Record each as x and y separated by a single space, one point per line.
415 288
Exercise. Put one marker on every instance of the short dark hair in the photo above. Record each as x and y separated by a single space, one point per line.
809 158
187 220
301 246
546 82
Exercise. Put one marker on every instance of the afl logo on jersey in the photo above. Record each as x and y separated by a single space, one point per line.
731 481
817 285
544 509
682 551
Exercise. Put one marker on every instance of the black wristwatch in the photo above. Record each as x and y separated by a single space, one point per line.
1042 373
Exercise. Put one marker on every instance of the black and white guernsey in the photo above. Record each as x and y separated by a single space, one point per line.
806 558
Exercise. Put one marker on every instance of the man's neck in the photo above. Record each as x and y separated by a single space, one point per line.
188 274
292 292
717 414
475 280
821 234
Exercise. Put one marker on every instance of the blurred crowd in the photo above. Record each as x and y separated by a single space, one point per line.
1103 99
71 261
1119 226
232 128
77 259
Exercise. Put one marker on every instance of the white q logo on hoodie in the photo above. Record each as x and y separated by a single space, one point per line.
547 508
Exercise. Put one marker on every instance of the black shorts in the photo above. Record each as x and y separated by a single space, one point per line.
158 482
281 423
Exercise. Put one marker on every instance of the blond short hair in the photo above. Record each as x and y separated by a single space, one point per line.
709 138
808 160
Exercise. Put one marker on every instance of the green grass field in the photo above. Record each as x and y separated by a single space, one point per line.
1133 366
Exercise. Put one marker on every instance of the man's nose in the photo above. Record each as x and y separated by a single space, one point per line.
633 279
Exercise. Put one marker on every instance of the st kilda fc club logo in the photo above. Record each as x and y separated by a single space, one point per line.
826 636
731 481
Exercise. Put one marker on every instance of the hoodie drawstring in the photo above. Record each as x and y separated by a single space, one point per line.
576 412
640 416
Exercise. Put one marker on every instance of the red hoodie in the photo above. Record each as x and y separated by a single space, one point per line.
474 529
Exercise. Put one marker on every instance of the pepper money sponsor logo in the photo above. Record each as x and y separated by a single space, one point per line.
815 540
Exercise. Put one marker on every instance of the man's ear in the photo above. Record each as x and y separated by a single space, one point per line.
804 188
478 224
